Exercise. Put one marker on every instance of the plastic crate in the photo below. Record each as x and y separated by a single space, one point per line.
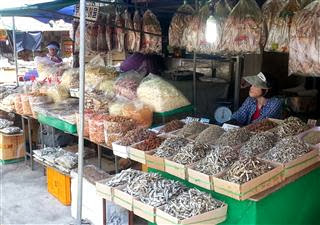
59 185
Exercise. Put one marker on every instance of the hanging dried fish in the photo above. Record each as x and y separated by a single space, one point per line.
124 177
129 33
286 150
209 135
192 129
171 146
110 21
191 153
218 160
246 169
119 33
137 24
257 144
191 203
234 137
151 43
289 127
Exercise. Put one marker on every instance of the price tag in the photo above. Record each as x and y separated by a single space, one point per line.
192 119
228 127
312 122
92 12
205 120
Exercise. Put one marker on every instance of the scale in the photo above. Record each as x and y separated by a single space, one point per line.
222 114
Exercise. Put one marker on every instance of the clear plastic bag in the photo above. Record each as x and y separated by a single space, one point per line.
137 24
26 104
127 83
58 93
110 19
160 95
70 78
88 114
244 31
304 45
129 34
37 100
119 33
96 128
270 10
11 130
5 123
116 107
151 43
18 104
140 112
279 34
179 22
46 68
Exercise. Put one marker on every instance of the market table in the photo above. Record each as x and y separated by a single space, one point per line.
295 201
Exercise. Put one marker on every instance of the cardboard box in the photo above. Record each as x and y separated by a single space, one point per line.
12 146
251 188
120 150
145 211
200 179
122 198
175 169
155 162
209 218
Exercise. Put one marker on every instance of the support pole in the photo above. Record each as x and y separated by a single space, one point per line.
15 48
194 85
81 108
237 83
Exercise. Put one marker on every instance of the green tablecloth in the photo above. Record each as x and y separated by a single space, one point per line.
296 203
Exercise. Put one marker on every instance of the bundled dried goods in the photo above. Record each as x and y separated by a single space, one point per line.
5 123
11 130
101 35
137 25
209 135
119 33
152 36
110 21
130 37
270 9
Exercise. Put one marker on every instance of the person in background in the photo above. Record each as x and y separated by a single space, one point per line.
54 48
260 104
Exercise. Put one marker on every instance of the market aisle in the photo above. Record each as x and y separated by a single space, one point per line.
24 198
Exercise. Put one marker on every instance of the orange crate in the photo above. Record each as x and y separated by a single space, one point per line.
59 186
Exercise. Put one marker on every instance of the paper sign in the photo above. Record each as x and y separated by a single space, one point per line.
228 127
92 12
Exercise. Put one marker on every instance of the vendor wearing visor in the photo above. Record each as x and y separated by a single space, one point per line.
260 104
54 48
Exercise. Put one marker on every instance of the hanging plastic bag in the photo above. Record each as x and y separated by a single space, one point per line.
271 9
179 22
88 114
152 40
279 35
58 93
140 112
101 38
160 95
244 30
304 3
119 33
127 83
304 45
137 25
129 33
190 34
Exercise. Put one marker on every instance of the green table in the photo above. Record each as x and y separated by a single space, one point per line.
296 203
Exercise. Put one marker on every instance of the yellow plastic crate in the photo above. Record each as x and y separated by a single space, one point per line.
59 185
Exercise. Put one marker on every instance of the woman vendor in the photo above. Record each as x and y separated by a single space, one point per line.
260 104
53 48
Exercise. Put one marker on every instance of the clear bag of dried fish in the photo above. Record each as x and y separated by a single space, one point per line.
191 153
209 135
286 150
11 130
270 9
171 146
234 137
218 160
258 144
191 203
5 123
68 160
118 38
289 127
192 129
246 169
124 177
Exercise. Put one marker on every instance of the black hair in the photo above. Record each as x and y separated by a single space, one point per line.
54 43
272 91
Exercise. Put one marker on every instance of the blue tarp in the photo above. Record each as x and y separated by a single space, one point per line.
27 40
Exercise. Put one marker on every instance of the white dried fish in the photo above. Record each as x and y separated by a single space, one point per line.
191 153
124 177
171 146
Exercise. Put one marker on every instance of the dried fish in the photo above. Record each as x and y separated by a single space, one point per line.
261 126
191 203
171 146
246 169
135 136
191 153
150 144
124 177
286 150
11 130
258 144
234 137
312 138
289 127
5 123
171 126
209 135
218 160
192 129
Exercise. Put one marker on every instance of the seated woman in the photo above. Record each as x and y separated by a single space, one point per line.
260 104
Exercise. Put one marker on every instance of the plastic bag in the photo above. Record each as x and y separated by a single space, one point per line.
270 10
5 123
116 107
129 34
46 68
96 128
26 104
37 100
119 34
304 41
190 34
88 114
68 160
110 19
11 130
101 38
244 30
179 22
279 35
58 93
137 25
304 3
160 95
151 43
70 78
18 104
138 111
127 83
107 87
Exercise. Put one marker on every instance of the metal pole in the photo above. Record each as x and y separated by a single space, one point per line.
15 48
81 107
237 83
194 85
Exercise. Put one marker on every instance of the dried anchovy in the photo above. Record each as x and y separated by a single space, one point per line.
258 144
5 123
312 137
246 169
141 185
191 203
171 126
220 158
171 146
94 174
191 153
209 135
234 137
286 150
289 127
136 135
191 129
125 177
261 126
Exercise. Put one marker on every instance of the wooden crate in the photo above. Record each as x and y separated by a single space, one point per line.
12 146
104 190
122 198
155 162
200 179
59 185
175 169
145 211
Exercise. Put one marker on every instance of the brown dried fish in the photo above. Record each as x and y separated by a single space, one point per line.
234 137
289 127
135 136
191 129
172 126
